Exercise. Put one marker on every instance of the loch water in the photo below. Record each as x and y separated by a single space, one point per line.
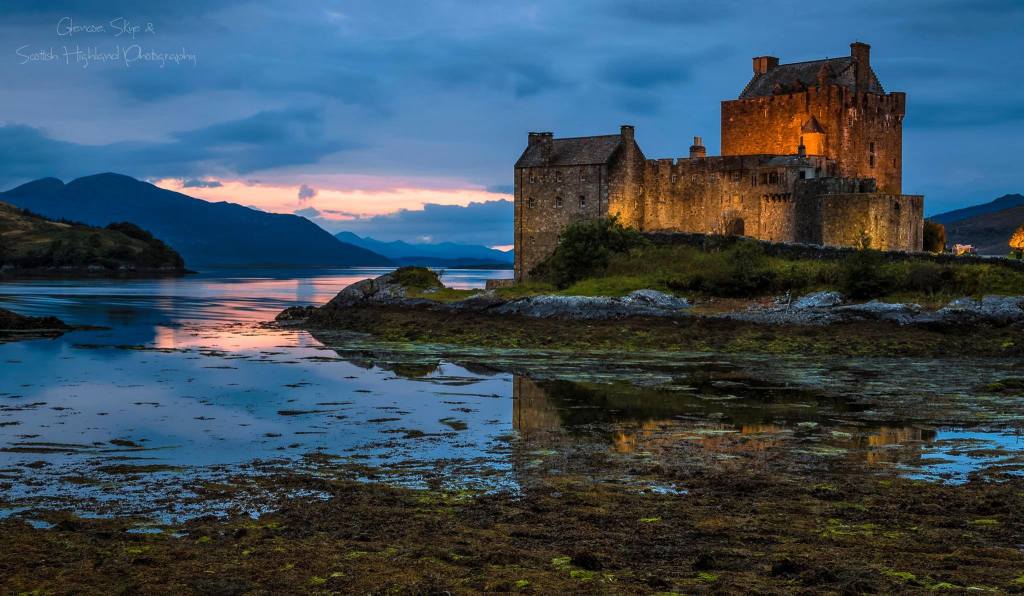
184 378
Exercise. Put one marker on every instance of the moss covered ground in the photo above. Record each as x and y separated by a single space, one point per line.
745 528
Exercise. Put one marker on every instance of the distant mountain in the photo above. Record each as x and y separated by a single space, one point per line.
1003 202
441 254
987 227
33 245
204 233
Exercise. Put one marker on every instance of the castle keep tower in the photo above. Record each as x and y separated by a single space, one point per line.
835 107
811 153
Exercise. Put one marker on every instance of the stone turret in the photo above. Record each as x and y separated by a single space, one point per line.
697 149
861 54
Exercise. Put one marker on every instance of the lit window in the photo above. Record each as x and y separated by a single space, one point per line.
558 202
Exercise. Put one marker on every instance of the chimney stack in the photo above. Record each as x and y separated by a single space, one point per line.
543 139
626 130
536 137
861 54
698 149
762 64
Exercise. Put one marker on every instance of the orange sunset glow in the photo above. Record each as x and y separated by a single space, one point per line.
337 198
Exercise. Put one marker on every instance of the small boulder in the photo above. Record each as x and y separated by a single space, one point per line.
826 299
883 311
654 299
379 290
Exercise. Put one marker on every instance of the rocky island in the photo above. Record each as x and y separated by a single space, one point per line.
732 295
34 246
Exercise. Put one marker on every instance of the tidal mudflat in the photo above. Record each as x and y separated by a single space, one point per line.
188 445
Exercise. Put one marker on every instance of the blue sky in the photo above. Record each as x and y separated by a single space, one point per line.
403 119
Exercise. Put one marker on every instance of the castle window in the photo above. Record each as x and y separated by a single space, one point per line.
558 202
583 175
803 174
871 154
583 202
530 203
674 177
558 176
736 176
533 177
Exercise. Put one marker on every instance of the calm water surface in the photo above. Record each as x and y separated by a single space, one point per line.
184 378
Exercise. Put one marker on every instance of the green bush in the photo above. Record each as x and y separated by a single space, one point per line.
934 236
419 278
584 250
740 271
862 275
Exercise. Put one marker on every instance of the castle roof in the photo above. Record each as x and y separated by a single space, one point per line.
576 151
812 126
798 76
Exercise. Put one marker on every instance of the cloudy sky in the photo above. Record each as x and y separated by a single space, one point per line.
403 119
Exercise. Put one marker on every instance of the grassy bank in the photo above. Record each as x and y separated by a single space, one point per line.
603 259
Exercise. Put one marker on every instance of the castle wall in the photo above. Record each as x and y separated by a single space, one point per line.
886 221
627 195
547 199
736 195
863 131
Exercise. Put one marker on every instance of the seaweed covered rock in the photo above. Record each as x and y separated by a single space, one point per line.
11 321
390 288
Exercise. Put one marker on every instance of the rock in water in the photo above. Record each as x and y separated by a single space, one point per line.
379 290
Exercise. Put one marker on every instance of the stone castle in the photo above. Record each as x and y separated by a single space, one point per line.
811 153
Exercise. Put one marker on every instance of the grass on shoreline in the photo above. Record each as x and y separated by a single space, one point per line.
744 271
